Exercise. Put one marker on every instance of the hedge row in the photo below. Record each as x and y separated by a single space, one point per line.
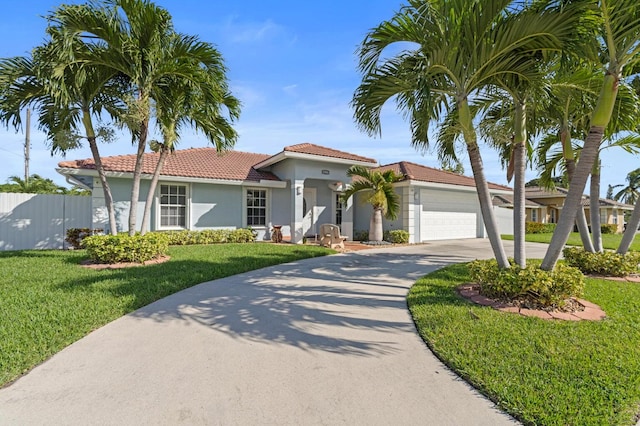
539 228
210 236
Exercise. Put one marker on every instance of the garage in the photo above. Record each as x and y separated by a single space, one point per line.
448 215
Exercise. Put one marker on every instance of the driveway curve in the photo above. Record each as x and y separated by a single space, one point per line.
320 341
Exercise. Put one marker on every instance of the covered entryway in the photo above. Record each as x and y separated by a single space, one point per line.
309 212
447 215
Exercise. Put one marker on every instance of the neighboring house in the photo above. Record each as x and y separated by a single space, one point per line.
298 188
544 206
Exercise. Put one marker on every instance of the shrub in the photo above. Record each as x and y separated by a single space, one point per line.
547 288
76 235
539 228
210 236
396 236
607 263
360 235
608 228
125 248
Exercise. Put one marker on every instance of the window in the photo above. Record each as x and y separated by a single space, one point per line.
256 207
614 217
534 215
338 209
173 206
552 217
603 216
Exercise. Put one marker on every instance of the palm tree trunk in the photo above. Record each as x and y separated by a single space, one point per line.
106 189
569 158
137 173
482 187
152 189
599 120
594 206
519 159
375 226
581 218
630 232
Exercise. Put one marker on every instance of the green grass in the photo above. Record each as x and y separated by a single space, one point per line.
541 372
609 241
48 301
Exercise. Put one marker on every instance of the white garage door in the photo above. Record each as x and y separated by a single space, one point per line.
447 215
447 225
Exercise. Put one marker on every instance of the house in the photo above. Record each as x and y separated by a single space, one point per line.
544 206
298 188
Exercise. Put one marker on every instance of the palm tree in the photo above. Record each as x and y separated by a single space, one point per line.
458 48
620 35
379 192
35 184
631 191
137 40
178 105
66 103
630 194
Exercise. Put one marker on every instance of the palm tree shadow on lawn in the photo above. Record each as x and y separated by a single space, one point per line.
348 304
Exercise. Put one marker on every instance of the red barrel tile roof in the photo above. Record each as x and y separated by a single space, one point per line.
309 148
422 173
204 163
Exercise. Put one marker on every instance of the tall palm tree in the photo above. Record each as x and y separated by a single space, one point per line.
65 102
458 48
619 36
379 192
136 38
178 105
630 192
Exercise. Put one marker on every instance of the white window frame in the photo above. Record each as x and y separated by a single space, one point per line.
553 216
614 217
159 205
534 215
603 216
267 207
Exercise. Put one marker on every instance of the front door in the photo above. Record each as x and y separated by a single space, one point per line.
309 212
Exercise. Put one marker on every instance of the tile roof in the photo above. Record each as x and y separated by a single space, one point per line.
539 192
204 163
422 173
309 148
507 200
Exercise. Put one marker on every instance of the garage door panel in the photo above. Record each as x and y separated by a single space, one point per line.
447 225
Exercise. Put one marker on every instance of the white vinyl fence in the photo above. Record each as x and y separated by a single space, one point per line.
40 221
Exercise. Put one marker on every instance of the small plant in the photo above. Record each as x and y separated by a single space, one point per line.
360 235
397 236
125 248
76 235
608 228
607 263
539 228
547 288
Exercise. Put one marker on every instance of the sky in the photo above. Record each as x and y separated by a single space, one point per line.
292 64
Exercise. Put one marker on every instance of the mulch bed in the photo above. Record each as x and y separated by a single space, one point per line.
574 310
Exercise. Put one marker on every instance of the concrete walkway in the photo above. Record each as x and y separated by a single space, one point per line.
320 341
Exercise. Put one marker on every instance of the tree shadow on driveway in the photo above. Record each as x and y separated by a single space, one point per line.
352 303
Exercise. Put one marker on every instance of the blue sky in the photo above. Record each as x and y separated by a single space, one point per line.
291 63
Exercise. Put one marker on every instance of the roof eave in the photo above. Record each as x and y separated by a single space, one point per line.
67 171
312 157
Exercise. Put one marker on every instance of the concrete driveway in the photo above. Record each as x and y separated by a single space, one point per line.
320 341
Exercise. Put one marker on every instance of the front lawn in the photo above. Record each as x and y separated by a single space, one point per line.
48 301
609 241
540 371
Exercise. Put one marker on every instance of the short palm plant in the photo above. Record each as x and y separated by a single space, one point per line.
379 192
